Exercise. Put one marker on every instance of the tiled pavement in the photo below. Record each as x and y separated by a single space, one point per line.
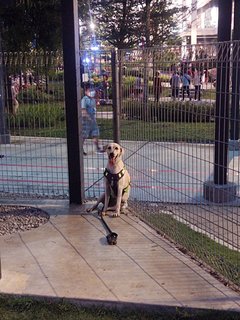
69 257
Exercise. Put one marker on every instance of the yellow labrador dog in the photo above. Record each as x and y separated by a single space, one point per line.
117 182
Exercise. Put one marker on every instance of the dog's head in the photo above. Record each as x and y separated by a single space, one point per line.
114 152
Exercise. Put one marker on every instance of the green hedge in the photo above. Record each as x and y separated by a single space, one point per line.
169 111
33 95
37 116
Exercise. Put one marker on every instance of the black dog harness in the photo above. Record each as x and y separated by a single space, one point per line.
113 179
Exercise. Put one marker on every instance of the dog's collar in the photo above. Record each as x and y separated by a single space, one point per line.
114 177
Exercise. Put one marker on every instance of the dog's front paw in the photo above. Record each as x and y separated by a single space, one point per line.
124 205
103 213
116 214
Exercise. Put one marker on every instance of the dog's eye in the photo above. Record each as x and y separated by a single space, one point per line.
109 148
116 148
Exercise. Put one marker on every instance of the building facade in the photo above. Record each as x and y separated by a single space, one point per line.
199 25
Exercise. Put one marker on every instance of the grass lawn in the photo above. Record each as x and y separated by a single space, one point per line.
222 259
167 131
134 130
12 308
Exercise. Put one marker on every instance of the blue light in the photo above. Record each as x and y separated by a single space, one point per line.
86 60
95 48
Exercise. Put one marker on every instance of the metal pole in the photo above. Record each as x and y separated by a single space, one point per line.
234 132
72 86
4 135
222 93
115 97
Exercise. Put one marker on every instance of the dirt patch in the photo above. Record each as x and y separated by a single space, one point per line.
20 218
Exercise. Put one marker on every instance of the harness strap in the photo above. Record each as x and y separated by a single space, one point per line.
113 178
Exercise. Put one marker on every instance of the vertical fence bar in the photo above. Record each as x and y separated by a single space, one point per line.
115 97
71 55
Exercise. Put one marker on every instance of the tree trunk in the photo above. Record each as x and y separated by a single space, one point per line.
148 22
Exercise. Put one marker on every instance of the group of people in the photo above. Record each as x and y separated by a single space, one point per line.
177 81
185 79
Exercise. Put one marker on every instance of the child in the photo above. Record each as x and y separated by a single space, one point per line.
89 124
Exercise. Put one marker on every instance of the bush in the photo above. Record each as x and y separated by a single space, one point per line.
169 111
56 75
37 116
34 94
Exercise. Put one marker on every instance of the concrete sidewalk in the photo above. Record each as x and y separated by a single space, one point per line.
69 257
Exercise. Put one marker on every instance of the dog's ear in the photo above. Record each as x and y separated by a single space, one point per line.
121 151
105 147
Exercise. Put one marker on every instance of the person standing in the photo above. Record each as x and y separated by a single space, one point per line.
14 92
157 87
90 128
197 85
186 80
137 89
175 85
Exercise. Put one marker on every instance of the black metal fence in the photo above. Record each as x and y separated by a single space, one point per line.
33 122
35 157
180 129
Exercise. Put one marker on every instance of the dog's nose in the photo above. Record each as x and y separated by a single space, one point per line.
111 154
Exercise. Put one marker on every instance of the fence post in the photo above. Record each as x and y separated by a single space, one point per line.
72 85
115 97
219 190
222 93
4 135
234 131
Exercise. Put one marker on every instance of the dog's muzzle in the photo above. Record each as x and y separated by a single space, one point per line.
112 157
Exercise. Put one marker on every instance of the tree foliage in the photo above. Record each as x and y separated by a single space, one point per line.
117 21
164 20
127 23
31 24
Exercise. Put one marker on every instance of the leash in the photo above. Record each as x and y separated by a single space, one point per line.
111 236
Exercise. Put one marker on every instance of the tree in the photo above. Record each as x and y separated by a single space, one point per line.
125 23
161 19
119 23
165 29
31 25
